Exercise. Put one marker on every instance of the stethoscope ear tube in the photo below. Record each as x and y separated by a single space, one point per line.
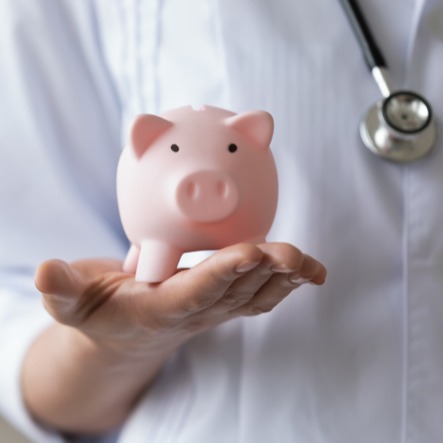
400 128
371 52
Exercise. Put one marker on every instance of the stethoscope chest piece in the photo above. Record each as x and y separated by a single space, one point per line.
401 128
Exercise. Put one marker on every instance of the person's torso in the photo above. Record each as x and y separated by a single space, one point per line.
360 358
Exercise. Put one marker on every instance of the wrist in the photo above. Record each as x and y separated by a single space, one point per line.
113 354
76 383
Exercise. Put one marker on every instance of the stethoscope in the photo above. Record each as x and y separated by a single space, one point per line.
400 127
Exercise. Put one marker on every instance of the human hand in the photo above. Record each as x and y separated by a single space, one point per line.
112 335
107 305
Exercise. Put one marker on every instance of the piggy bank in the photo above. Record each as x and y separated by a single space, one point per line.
194 179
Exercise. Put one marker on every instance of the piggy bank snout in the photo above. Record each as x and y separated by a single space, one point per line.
207 196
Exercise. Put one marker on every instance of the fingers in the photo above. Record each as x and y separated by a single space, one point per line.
278 287
60 285
311 271
242 275
243 279
278 259
283 269
203 285
92 267
58 278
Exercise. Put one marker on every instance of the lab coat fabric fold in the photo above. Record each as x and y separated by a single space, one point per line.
356 360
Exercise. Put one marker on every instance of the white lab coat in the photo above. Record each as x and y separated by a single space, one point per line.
357 360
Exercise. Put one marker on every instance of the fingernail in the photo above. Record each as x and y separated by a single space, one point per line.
295 278
319 281
281 268
245 267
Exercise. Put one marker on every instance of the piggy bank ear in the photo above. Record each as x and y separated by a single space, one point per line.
145 129
257 125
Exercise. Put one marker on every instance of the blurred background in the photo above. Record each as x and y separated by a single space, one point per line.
10 435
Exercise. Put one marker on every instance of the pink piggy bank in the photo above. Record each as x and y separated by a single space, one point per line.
194 179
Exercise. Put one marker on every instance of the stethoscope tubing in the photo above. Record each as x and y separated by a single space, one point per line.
372 54
405 133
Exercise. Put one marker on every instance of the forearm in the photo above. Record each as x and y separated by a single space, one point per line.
71 384
78 384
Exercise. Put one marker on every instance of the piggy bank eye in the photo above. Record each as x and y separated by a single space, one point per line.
232 148
175 148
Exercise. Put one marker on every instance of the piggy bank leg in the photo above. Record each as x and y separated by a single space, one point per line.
131 260
157 261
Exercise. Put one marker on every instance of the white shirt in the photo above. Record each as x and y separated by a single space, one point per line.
357 360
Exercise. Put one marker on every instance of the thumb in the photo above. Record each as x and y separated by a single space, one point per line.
61 287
